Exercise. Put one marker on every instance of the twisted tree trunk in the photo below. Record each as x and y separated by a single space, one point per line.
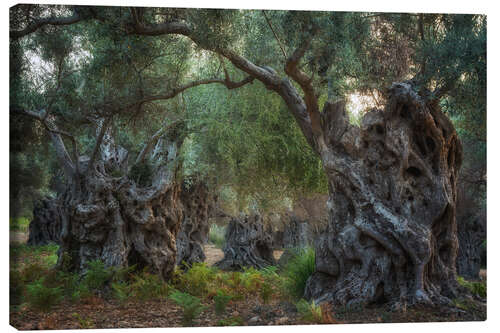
45 227
248 244
392 233
106 215
198 205
296 234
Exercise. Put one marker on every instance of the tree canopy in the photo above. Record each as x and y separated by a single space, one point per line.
229 76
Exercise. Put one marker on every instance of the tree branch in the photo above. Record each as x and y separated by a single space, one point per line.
38 23
97 147
69 167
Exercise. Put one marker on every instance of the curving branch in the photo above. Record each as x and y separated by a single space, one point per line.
38 23
69 166
176 91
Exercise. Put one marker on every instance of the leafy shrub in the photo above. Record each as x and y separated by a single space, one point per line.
309 312
148 286
298 269
196 280
477 288
191 306
41 297
217 236
33 272
121 291
97 275
266 291
221 300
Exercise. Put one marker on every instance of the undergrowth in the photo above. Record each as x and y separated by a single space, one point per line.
216 235
298 269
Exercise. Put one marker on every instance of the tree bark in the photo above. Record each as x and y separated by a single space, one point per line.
45 227
248 244
392 233
198 205
109 217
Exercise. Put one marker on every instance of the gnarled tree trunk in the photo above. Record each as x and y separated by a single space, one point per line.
45 227
106 215
392 233
249 243
296 234
198 205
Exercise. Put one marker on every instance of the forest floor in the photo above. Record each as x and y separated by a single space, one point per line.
103 311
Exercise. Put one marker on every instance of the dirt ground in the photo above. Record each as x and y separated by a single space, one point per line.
101 312
18 237
215 254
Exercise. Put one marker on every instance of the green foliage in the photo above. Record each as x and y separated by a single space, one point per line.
309 312
146 286
298 269
231 321
266 291
191 306
41 297
216 235
97 275
221 300
196 280
475 287
19 224
84 323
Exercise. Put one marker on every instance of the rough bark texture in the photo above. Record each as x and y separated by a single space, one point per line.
198 205
392 233
107 216
296 234
249 243
45 227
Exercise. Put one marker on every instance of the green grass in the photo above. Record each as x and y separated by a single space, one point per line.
477 288
216 236
298 269
19 224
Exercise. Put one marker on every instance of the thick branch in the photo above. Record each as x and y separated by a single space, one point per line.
55 135
152 141
97 147
37 24
305 82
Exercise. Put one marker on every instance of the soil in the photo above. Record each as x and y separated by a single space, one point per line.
100 312
214 254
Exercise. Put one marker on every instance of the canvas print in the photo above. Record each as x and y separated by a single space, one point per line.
178 167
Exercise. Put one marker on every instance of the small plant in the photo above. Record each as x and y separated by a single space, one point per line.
41 297
196 280
477 288
121 291
148 286
266 291
232 321
84 323
216 235
309 312
221 300
97 275
191 306
298 270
